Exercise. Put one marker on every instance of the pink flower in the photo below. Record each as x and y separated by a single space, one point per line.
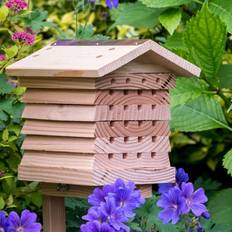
2 57
16 5
24 37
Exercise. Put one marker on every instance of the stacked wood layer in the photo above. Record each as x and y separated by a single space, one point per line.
90 131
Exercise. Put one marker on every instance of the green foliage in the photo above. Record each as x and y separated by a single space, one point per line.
137 15
224 76
202 113
187 89
164 3
220 206
170 19
227 161
224 10
205 39
3 13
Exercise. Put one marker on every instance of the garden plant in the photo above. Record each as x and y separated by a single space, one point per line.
199 31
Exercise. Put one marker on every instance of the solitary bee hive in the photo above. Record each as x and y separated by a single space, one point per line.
96 111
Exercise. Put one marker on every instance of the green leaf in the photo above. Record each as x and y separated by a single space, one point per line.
137 15
164 3
4 11
224 10
187 89
5 86
227 162
2 203
203 113
36 20
170 19
11 51
205 37
220 206
225 76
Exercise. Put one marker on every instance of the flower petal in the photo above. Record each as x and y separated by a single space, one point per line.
28 218
198 209
199 196
187 189
166 215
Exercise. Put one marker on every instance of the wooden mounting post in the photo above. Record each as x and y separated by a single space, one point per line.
53 214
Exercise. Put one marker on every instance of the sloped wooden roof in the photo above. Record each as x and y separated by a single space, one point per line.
97 58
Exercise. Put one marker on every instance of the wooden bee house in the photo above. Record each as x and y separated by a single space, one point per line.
96 111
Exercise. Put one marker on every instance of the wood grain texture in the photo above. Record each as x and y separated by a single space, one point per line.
57 82
132 97
132 112
60 96
132 128
98 145
74 113
139 176
132 144
136 81
91 97
96 113
83 191
131 160
59 128
59 144
53 214
98 60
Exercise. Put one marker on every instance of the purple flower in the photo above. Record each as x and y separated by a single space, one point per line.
16 5
181 177
96 226
199 228
112 3
113 205
127 197
194 200
206 215
3 222
173 204
25 223
2 57
24 37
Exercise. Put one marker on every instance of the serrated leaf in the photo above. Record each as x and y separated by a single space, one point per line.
227 162
224 10
220 207
164 3
137 15
170 19
225 76
205 37
203 113
187 89
4 11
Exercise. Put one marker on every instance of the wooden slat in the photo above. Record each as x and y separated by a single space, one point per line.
138 176
132 112
100 129
100 145
98 113
132 128
90 97
60 96
53 214
132 160
132 144
59 144
59 128
56 169
57 82
132 97
136 81
60 112
83 191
